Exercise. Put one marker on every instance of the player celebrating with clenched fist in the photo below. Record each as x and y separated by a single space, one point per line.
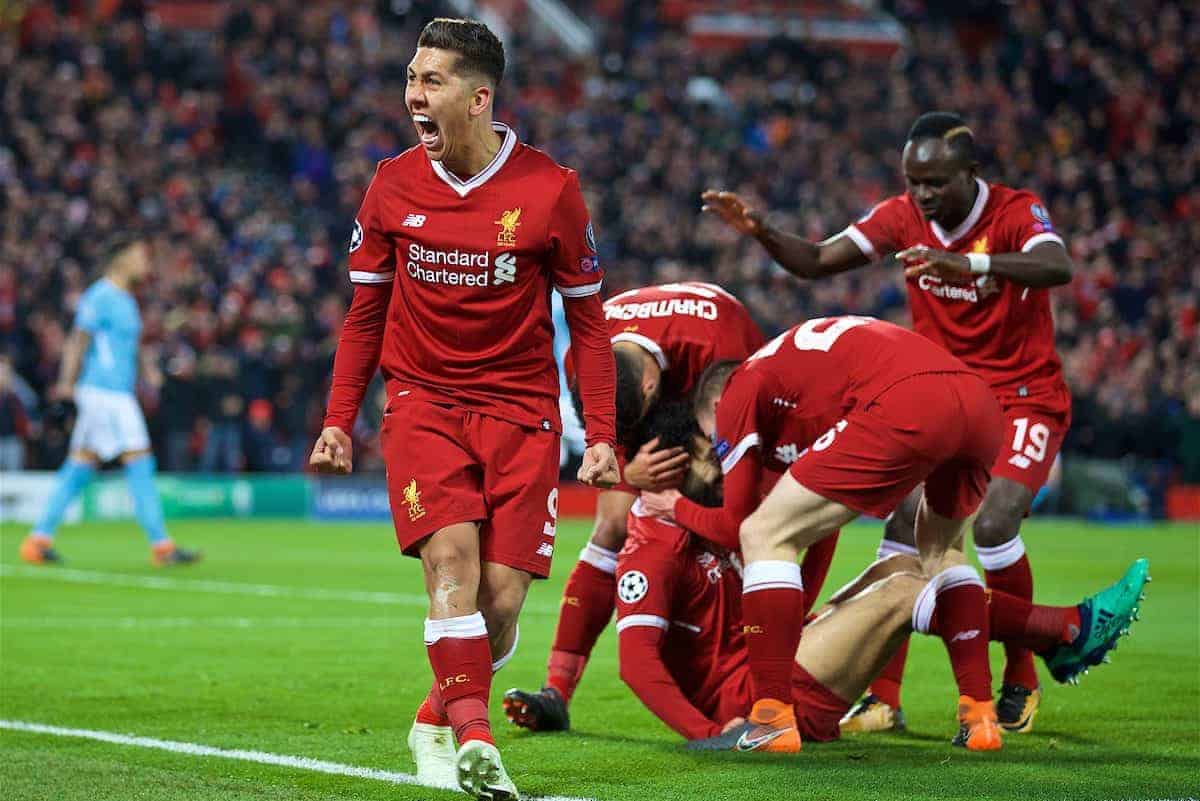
453 254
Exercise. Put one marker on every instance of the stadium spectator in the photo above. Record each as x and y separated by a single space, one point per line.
17 424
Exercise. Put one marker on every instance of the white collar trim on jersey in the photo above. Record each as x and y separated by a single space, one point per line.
463 188
981 199
647 344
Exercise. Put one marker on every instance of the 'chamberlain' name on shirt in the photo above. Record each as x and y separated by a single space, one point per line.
704 309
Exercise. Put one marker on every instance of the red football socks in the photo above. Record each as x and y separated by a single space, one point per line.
462 669
886 686
1031 626
431 711
564 671
960 617
1006 568
814 567
773 618
588 602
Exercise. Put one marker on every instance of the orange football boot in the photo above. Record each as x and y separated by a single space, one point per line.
38 549
771 727
167 553
978 728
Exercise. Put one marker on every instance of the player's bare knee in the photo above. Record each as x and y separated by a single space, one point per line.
997 525
501 605
757 538
450 566
610 538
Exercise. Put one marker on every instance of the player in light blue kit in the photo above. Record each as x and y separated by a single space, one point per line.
109 422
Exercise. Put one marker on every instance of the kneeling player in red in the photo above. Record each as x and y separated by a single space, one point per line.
663 338
453 255
683 651
863 411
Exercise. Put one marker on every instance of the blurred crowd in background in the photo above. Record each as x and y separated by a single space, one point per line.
243 156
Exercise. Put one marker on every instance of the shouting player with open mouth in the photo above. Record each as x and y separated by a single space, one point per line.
453 255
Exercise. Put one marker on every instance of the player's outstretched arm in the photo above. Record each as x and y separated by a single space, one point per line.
1043 266
643 670
717 524
795 254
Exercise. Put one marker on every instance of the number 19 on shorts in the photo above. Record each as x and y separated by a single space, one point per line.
1029 443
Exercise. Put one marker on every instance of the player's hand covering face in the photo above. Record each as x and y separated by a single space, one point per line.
656 467
672 425
443 104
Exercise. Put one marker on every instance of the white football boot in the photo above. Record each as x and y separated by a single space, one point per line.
481 774
432 749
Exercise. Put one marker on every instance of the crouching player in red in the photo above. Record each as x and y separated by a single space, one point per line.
453 256
683 651
863 411
663 338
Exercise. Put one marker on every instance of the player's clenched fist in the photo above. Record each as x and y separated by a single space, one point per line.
333 452
599 468
733 210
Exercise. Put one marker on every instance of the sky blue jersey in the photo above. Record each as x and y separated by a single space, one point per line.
110 315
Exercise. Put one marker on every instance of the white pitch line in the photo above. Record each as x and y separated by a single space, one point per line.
52 573
260 757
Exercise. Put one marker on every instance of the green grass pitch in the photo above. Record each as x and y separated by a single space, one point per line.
322 658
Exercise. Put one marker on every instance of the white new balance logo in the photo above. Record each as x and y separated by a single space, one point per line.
545 549
787 453
413 221
969 634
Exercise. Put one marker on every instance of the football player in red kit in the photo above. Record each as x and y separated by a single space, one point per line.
663 337
861 411
453 255
683 651
979 260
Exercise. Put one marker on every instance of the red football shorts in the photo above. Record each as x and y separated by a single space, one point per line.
941 428
819 710
1036 426
448 465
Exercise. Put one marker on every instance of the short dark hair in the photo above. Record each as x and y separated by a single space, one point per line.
947 126
712 382
477 47
630 399
117 244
